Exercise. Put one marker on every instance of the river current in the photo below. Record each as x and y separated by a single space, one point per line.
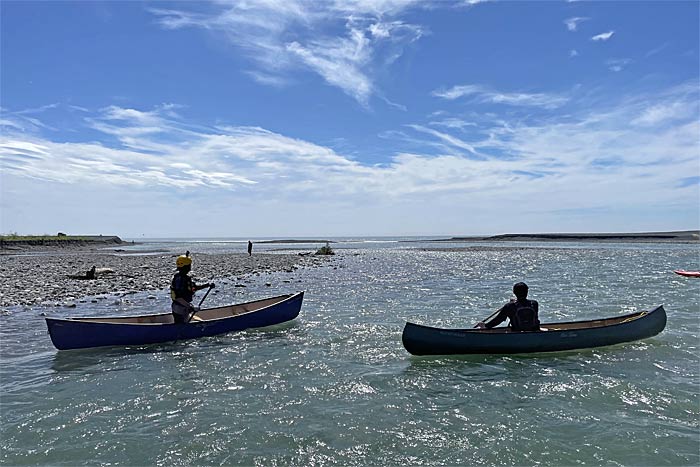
336 387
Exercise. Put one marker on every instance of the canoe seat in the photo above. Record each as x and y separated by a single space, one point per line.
632 318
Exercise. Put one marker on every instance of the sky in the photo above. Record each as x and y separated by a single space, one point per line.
286 118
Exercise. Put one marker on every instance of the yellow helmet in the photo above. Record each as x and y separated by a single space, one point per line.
183 260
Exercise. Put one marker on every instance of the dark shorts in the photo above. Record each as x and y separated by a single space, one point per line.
181 313
179 319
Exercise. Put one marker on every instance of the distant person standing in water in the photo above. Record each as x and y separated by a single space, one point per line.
250 248
182 290
521 312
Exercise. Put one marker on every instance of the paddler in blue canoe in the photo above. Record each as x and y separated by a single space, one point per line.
182 290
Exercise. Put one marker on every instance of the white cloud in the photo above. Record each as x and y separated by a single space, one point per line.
448 139
484 94
618 64
572 23
340 63
454 123
267 79
23 120
22 148
343 42
13 124
679 104
577 148
38 110
573 53
656 50
634 150
603 36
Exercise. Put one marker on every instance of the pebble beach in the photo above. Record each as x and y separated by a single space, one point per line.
49 277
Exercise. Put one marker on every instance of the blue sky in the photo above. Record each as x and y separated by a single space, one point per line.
281 118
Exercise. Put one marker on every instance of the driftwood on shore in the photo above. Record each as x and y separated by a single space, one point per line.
91 274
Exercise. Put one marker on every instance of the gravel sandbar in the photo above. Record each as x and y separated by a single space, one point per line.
46 278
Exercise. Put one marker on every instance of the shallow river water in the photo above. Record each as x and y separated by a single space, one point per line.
336 387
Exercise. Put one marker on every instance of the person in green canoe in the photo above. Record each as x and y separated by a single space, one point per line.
182 290
521 312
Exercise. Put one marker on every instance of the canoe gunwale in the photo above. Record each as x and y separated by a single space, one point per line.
550 327
115 320
684 273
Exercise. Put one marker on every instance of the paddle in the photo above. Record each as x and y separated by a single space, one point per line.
484 320
211 286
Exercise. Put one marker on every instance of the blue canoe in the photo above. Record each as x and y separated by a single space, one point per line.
80 333
553 337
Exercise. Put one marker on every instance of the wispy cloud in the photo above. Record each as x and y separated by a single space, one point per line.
38 110
680 103
572 23
618 64
28 120
641 143
603 36
454 123
656 50
156 149
268 79
340 63
449 141
343 42
485 94
644 142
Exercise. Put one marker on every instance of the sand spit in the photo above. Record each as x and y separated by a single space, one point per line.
683 236
9 245
46 278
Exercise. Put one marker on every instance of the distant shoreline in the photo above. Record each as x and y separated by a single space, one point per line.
294 241
9 244
683 236
19 245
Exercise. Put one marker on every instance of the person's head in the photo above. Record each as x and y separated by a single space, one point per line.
520 290
184 263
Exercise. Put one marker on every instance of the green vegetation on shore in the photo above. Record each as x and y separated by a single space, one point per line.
325 250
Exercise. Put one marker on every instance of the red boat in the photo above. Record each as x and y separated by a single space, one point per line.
683 273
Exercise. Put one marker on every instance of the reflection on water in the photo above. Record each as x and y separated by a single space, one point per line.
83 359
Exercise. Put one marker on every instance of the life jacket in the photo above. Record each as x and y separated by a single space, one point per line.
524 317
182 287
